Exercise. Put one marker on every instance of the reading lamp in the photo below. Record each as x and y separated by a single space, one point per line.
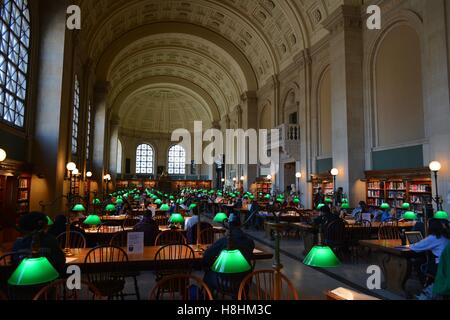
321 256
177 219
435 167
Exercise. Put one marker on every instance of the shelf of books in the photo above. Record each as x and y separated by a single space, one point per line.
23 195
324 181
263 186
397 187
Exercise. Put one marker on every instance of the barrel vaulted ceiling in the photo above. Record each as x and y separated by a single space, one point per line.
215 50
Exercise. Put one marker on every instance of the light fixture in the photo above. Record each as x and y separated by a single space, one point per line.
89 174
49 221
385 206
321 256
220 217
298 175
234 179
269 177
223 180
2 155
96 201
158 201
406 206
110 208
441 215
107 177
33 271
242 178
93 220
345 205
78 208
164 207
435 166
75 172
71 166
177 219
410 215
334 172
231 261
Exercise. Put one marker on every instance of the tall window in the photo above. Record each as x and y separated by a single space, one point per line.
89 130
177 160
144 159
75 116
14 58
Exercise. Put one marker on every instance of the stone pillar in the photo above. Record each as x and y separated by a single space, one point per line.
114 145
100 133
346 56
50 144
249 121
436 88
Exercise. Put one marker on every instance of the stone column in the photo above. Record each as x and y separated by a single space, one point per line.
436 62
346 56
114 145
50 145
249 121
100 132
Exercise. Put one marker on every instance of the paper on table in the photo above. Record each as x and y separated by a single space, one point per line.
135 242
348 294
69 260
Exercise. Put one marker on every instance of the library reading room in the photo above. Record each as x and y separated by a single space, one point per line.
231 150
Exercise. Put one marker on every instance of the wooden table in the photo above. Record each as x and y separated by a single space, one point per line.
143 262
119 218
395 261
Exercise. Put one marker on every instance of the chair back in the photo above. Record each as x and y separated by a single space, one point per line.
119 239
58 291
261 285
76 240
106 231
170 237
191 233
334 233
109 282
207 236
174 259
389 231
181 287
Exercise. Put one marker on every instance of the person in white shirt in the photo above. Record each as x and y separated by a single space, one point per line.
436 242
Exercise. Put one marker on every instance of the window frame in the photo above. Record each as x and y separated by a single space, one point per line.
152 161
176 163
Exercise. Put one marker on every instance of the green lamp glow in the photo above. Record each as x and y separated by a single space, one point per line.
320 206
176 218
33 271
79 208
385 206
164 207
409 215
441 215
345 206
158 201
119 201
96 201
49 221
93 220
220 217
231 261
110 208
267 196
321 257
406 206
136 197
296 201
192 206
328 200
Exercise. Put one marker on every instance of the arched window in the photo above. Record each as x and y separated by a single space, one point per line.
177 160
14 59
144 159
75 116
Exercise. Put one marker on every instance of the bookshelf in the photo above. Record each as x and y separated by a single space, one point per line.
23 195
397 187
263 186
324 181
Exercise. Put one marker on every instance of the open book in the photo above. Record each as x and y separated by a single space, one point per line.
347 294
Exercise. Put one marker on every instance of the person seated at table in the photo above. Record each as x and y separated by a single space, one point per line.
239 240
319 197
59 226
326 217
382 216
357 212
149 227
35 224
437 240
254 219
192 220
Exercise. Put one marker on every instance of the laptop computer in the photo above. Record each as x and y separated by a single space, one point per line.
413 237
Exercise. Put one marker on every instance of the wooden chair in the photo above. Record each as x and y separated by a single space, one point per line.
335 235
388 231
173 259
170 237
58 291
207 236
77 240
106 231
260 285
181 287
109 283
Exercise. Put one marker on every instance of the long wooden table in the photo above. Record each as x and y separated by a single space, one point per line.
395 261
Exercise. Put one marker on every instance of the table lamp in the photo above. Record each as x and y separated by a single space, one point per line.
96 202
320 206
406 206
321 256
93 221
164 207
110 208
177 219
385 206
49 221
220 217
410 215
345 205
441 215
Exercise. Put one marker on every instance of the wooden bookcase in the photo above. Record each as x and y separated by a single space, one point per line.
398 186
324 181
263 186
23 194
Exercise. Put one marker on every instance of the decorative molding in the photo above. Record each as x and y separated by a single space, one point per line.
345 17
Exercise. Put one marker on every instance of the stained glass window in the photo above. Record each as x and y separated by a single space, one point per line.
75 116
177 160
14 59
144 159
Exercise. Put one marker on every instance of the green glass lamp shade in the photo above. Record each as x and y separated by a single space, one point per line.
441 215
136 197
192 206
267 196
409 215
158 201
252 197
93 220
96 201
385 206
281 200
320 206
296 201
49 221
171 198
119 201
110 208
328 200
176 218
125 195
321 257
344 200
164 207
345 206
79 208
220 217
231 261
33 271
406 206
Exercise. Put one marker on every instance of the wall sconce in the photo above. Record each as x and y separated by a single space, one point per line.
2 155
